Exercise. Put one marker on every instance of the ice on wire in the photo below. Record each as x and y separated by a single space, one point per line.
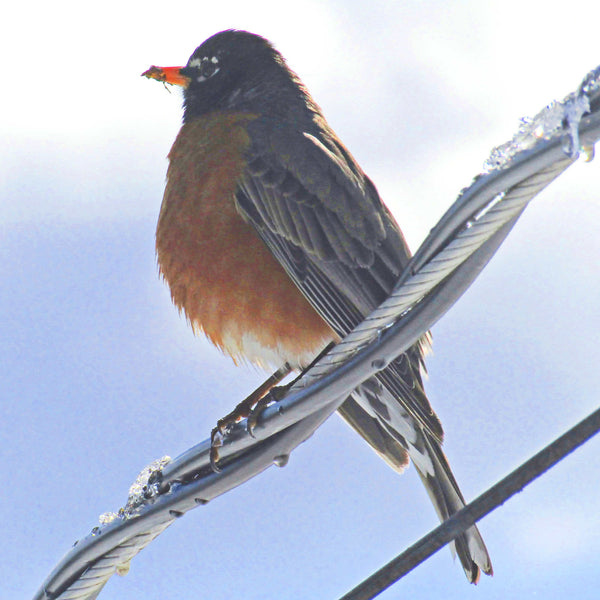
556 118
142 489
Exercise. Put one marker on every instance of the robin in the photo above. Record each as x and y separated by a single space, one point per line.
275 244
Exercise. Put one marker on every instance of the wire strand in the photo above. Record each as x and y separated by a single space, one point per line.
477 509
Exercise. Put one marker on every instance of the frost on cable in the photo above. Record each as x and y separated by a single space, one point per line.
591 83
142 489
466 227
550 122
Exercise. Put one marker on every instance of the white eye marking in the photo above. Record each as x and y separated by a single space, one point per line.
207 67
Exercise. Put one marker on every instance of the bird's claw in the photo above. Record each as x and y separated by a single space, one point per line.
252 418
275 394
221 430
249 409
216 441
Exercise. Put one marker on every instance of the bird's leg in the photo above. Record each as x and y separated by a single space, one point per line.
311 365
251 407
279 392
243 410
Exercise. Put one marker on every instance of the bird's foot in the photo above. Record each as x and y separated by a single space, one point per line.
250 408
274 395
217 435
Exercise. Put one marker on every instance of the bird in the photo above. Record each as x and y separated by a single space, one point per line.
275 244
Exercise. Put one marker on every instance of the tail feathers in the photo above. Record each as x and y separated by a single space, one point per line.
372 430
447 500
396 436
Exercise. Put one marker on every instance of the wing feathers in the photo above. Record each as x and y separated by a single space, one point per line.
323 220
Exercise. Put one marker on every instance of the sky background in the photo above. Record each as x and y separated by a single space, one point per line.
99 375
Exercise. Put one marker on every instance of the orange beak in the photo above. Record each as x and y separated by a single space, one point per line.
170 75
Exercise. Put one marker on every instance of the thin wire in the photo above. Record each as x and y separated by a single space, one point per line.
477 509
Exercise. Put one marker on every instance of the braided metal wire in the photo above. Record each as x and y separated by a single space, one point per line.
475 233
445 265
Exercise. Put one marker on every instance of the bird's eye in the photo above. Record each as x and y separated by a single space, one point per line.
206 67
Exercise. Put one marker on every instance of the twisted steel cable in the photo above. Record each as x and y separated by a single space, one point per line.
445 265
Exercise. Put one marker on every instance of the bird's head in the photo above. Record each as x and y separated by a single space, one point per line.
237 71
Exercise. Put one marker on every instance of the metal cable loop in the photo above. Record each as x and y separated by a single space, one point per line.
426 290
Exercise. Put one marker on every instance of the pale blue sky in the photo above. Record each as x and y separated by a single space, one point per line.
99 375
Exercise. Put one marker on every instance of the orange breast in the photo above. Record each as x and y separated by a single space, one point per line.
218 269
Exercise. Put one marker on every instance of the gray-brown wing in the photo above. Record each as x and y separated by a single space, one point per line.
323 220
